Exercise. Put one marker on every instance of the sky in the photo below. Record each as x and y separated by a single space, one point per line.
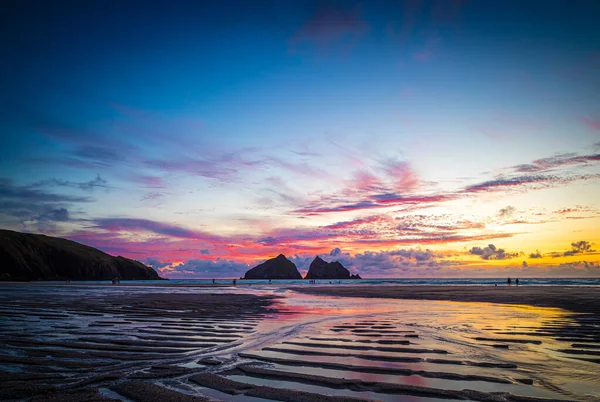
402 138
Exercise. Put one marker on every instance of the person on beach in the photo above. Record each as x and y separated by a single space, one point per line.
517 281
213 281
269 281
234 282
508 281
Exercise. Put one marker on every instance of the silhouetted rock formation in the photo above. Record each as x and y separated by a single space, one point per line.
320 269
28 257
275 268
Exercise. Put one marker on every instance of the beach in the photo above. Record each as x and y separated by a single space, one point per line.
298 343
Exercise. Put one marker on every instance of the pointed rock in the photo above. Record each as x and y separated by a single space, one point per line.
320 269
275 268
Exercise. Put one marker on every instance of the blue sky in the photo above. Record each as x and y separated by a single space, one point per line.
187 133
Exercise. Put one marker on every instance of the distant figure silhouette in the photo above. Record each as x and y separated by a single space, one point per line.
234 282
269 281
517 281
213 281
508 281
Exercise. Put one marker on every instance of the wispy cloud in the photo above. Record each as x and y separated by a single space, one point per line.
546 164
394 184
331 26
510 182
98 182
591 122
126 224
29 193
31 208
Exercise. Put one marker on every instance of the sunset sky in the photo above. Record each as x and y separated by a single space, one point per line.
402 138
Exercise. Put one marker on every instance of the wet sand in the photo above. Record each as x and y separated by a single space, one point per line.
89 343
579 299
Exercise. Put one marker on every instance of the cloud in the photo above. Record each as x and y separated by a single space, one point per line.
579 248
149 181
101 155
537 254
218 268
402 175
417 254
398 183
335 252
166 229
155 263
524 264
86 186
513 182
30 208
331 26
492 253
506 212
152 196
268 240
8 190
410 262
423 55
375 201
355 222
207 168
546 164
54 215
593 123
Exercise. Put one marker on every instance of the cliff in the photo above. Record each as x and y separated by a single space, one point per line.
275 268
29 257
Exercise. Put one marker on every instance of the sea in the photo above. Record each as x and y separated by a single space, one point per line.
376 281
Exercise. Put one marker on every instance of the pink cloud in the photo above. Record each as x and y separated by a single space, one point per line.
151 181
403 176
355 222
593 123
424 199
365 181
